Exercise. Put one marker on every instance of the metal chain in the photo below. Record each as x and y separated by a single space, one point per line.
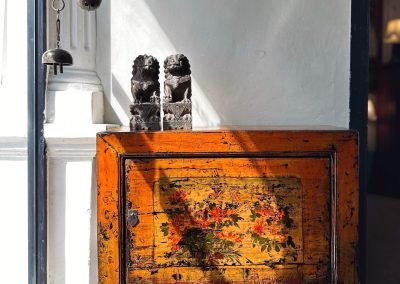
59 8
58 26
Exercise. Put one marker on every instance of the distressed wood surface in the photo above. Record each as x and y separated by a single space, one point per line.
227 221
327 186
108 228
288 182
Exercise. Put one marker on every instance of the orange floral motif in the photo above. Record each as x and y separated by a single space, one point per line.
216 213
267 212
259 226
230 236
217 226
179 196
270 212
174 238
229 212
179 222
202 221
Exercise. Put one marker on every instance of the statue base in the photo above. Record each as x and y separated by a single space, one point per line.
177 116
145 116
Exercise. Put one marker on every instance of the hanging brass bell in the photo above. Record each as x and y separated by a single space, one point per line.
89 5
57 57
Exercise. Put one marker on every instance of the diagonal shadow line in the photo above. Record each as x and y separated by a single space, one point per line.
149 175
175 31
170 22
120 95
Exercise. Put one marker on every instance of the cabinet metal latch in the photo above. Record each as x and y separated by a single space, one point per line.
133 217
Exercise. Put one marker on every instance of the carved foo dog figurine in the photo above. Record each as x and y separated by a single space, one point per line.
144 83
145 88
177 93
178 83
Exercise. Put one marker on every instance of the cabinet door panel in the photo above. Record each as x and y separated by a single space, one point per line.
228 219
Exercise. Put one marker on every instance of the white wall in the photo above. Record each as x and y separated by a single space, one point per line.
72 253
13 68
253 62
13 129
13 209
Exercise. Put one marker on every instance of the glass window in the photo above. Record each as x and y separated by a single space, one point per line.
13 133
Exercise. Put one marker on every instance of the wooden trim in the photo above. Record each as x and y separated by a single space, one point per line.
347 219
226 141
334 213
122 219
107 210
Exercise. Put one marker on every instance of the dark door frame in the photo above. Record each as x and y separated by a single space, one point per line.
37 186
359 62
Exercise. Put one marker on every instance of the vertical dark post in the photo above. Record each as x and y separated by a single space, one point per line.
37 187
358 107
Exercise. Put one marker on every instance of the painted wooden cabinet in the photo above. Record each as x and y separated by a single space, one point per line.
228 206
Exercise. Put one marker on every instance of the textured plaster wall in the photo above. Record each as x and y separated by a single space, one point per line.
253 62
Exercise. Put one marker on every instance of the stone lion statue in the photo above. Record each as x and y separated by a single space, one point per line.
144 83
178 83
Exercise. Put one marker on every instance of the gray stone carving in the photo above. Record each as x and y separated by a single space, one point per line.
145 88
177 105
145 116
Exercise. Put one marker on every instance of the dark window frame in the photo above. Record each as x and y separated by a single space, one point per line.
37 185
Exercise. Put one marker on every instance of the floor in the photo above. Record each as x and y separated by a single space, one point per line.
383 240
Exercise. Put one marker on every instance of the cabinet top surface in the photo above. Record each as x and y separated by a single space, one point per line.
228 139
233 128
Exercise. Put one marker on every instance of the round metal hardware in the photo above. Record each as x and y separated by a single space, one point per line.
89 5
57 57
60 7
133 217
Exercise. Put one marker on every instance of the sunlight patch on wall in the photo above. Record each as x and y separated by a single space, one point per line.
144 35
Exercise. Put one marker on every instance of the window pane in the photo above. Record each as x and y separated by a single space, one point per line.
13 129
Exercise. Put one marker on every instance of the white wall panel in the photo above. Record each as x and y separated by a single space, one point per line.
260 62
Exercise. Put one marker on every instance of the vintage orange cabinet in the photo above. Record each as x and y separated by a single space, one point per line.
228 206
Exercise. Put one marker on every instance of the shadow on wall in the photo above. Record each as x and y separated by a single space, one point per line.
120 58
122 98
260 63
